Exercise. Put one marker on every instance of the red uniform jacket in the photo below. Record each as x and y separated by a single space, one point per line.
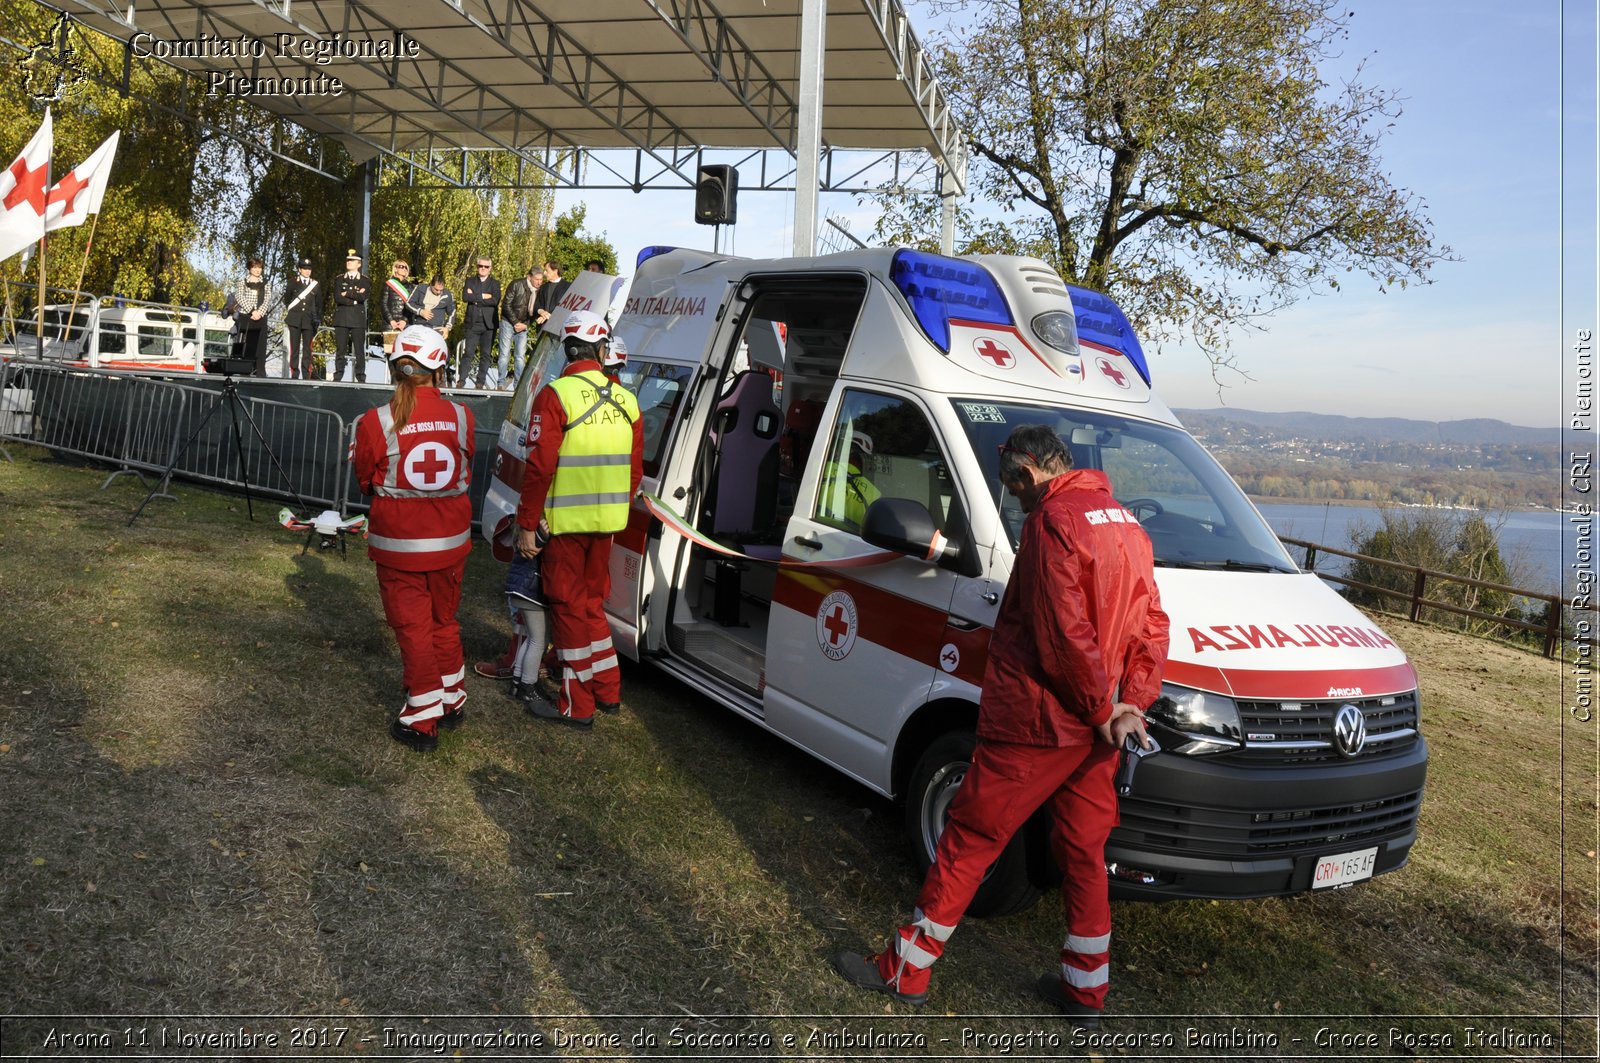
545 431
421 519
1081 624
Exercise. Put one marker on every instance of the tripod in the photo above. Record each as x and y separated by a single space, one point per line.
229 395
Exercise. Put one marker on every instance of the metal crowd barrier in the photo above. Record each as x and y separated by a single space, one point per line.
143 425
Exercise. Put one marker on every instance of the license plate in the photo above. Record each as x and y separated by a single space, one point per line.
1344 869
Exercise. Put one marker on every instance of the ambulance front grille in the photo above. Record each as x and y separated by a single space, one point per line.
1225 833
1301 732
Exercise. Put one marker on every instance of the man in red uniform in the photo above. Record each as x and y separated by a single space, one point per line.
585 460
1076 655
415 455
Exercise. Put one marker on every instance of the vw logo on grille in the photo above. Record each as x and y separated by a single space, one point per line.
1349 730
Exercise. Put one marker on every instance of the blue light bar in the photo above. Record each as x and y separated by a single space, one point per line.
648 253
1101 320
940 289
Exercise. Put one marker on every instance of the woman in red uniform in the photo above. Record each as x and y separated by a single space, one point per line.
415 456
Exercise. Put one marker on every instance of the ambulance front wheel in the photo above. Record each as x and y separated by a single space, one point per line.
1007 887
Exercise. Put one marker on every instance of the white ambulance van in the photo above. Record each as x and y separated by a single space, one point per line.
828 431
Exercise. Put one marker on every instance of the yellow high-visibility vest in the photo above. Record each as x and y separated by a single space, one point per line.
594 471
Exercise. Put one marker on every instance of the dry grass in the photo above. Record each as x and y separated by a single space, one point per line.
204 814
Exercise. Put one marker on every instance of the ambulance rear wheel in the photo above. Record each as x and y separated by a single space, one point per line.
1007 888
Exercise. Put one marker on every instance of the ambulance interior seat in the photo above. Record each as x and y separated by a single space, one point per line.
743 500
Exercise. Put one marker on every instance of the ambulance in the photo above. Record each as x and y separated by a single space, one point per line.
822 544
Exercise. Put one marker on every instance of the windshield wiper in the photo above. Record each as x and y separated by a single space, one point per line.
1228 565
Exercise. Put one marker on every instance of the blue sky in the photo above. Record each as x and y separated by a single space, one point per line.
1481 139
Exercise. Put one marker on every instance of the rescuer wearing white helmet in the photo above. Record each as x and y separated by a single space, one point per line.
585 460
844 488
414 455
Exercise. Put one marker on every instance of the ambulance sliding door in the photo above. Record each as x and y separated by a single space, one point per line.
854 635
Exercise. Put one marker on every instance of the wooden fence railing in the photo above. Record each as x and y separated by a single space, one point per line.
1417 600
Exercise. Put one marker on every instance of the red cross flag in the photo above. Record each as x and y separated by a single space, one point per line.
80 193
23 193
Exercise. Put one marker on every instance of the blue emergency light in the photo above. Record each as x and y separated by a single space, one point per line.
940 289
1101 320
647 253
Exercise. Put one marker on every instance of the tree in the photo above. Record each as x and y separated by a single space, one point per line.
145 230
574 248
1440 541
1187 158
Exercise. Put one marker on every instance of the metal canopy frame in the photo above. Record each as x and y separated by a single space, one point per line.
634 92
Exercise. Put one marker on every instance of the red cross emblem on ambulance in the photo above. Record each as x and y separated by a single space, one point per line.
836 625
1118 377
993 352
430 467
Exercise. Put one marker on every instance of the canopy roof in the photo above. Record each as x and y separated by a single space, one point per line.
551 78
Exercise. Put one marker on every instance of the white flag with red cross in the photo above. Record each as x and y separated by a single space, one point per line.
80 193
24 192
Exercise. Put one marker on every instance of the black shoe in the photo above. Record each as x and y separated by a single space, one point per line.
610 708
1083 1016
519 690
420 741
540 709
861 971
451 720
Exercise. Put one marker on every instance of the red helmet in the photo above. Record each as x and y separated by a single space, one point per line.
424 345
585 325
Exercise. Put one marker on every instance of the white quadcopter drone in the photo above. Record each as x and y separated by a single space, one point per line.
328 524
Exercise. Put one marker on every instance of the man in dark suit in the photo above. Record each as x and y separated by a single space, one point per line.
552 291
350 291
481 297
302 316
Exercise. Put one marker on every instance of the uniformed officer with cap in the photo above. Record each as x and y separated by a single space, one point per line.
302 317
350 293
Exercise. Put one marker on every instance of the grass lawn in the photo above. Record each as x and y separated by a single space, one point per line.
203 814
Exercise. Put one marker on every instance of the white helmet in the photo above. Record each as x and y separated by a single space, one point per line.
585 325
616 355
423 344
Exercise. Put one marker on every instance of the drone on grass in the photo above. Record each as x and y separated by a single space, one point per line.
328 524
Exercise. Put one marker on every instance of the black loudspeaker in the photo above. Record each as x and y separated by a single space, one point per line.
716 195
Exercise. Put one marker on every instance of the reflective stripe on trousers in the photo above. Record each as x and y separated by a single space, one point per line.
1005 783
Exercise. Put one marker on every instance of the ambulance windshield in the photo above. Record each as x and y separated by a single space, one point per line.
1194 513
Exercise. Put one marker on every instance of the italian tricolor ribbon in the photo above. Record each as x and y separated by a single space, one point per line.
662 512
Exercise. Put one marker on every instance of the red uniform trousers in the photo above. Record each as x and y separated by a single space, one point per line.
1004 786
576 568
421 608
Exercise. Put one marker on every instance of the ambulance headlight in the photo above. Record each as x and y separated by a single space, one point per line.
1202 721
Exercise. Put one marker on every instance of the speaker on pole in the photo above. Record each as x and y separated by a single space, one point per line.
716 195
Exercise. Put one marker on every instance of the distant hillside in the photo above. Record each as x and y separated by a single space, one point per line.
1333 427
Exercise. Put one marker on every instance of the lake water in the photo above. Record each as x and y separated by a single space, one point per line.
1531 542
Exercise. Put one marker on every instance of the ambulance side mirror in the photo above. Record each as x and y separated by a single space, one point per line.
906 527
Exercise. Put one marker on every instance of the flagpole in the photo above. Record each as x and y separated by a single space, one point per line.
77 288
43 235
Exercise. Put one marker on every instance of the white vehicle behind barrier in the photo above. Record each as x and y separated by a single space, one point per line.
116 333
106 332
851 615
